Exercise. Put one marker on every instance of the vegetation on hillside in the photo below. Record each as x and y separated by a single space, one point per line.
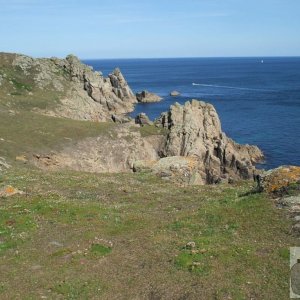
88 236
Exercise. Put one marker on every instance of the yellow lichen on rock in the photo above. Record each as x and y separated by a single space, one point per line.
10 191
279 178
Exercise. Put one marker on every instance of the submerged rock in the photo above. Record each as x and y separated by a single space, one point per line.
145 97
174 94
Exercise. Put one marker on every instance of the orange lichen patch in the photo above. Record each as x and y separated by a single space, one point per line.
280 178
192 162
9 191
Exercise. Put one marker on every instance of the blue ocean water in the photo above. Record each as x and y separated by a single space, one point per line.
258 102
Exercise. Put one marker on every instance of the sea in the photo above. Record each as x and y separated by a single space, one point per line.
257 98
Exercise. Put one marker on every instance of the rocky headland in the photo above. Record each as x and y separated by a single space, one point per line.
192 149
79 92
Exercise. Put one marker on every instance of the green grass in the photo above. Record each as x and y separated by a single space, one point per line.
84 236
19 85
28 133
20 91
100 250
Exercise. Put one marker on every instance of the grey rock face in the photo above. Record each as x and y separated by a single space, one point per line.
146 97
86 94
113 93
195 131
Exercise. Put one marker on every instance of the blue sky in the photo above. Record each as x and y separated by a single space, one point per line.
157 28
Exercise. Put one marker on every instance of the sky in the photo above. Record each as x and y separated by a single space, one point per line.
150 28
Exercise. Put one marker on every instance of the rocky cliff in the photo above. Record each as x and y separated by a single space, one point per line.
78 92
195 133
190 148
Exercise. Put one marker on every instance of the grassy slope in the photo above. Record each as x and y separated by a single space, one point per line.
19 91
28 133
88 236
122 236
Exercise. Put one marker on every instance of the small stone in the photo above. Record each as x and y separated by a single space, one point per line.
296 228
10 191
21 158
190 245
55 243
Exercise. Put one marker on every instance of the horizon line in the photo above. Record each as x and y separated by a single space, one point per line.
185 57
162 57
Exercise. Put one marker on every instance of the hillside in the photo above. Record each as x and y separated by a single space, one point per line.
77 223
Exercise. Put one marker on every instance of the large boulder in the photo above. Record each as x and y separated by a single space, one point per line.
147 97
195 131
279 180
179 169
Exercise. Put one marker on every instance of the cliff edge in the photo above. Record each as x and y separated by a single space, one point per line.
64 87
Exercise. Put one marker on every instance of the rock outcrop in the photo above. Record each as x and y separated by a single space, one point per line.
80 92
112 94
179 169
189 148
174 94
283 186
142 119
114 151
195 132
147 97
279 180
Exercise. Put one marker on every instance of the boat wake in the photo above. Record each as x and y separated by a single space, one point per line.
230 87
